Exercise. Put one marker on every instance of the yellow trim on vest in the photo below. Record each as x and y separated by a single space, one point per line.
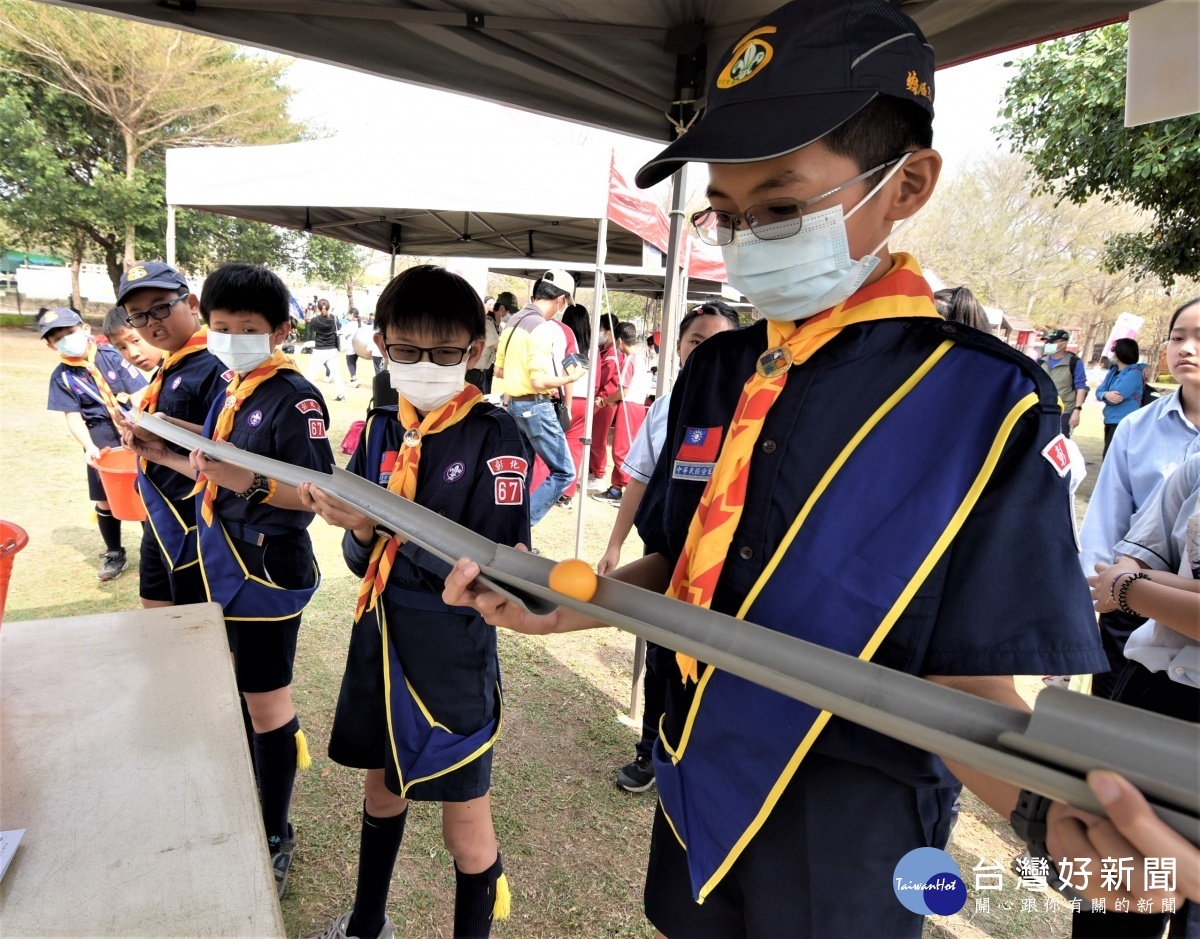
424 710
914 584
819 490
674 830
247 576
154 529
381 619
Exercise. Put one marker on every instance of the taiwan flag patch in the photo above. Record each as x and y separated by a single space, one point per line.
697 453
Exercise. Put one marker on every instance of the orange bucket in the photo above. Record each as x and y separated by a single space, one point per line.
12 540
117 467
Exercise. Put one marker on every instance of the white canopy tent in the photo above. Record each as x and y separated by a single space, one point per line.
435 198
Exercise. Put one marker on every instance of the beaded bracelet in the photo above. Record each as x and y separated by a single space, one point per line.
1124 588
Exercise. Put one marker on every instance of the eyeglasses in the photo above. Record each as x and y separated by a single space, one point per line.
404 354
159 311
769 220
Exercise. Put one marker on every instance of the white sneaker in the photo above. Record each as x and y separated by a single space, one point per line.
597 482
338 930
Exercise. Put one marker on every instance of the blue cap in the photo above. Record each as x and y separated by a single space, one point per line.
58 318
150 274
802 71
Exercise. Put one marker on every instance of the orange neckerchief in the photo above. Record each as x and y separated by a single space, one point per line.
198 343
901 293
240 388
403 482
88 361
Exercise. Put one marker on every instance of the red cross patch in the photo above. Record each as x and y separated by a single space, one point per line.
1057 455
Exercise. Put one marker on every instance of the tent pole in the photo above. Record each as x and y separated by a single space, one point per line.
593 358
672 299
392 265
171 235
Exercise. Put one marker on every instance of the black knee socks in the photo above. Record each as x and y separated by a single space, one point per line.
275 763
110 529
478 899
249 725
378 845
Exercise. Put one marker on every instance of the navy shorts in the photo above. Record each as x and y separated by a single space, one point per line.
103 434
451 662
821 865
264 651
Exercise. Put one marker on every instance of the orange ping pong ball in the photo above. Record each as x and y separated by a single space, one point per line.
574 578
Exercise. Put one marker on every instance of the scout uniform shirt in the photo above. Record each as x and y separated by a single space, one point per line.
73 390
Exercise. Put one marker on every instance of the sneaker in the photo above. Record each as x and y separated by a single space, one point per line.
563 502
282 852
353 382
340 398
637 776
611 495
338 930
596 482
114 564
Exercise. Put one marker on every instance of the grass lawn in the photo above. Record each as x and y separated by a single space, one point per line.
574 845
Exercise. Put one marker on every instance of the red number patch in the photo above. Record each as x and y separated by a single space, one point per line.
316 428
510 490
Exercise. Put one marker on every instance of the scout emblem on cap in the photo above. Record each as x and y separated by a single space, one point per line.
750 56
412 437
774 362
135 273
50 317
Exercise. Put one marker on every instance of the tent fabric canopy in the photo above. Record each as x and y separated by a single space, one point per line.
624 65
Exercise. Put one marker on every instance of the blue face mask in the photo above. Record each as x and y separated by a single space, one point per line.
797 277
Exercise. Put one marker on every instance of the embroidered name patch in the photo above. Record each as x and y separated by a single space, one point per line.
228 374
316 428
510 490
308 404
508 464
1057 455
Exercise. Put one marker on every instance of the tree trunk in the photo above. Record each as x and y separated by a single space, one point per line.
76 261
130 228
112 263
349 294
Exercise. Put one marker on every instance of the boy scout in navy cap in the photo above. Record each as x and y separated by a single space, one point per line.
850 470
255 554
92 386
162 310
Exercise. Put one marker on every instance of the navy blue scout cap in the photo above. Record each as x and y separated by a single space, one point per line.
58 318
150 274
802 71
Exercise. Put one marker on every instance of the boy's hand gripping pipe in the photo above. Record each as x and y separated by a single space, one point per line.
1049 751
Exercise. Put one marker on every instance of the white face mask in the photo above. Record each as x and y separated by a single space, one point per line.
1050 349
242 352
797 277
426 385
73 345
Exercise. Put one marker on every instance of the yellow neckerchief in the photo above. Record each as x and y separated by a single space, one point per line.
240 388
403 482
901 293
88 362
198 343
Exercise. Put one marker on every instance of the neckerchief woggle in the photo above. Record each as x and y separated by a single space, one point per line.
420 748
858 550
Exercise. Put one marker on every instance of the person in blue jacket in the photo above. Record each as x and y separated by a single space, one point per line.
1122 388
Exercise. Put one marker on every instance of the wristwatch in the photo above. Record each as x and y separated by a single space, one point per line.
259 490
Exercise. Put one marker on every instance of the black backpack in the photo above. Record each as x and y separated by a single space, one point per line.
1150 394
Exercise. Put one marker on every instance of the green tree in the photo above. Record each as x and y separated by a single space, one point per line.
329 261
1064 112
109 96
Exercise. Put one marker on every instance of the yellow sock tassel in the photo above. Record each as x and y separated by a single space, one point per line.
503 903
303 760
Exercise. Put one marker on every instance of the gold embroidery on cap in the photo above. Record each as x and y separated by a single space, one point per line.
135 273
750 56
918 87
